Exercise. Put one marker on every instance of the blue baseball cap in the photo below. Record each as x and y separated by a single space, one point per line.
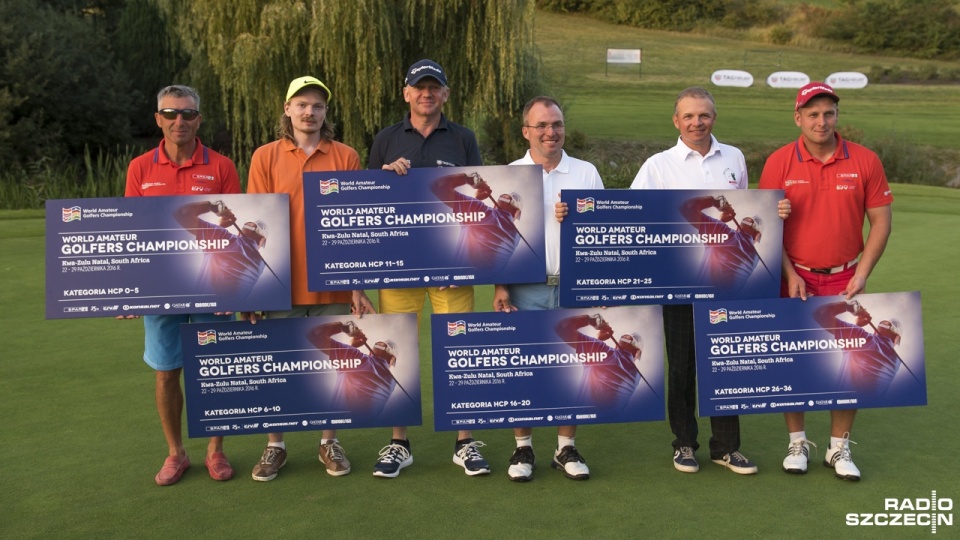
425 68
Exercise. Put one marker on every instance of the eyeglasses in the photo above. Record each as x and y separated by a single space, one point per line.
542 128
171 114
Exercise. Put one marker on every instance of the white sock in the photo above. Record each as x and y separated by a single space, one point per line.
794 435
524 441
835 441
328 441
564 441
280 444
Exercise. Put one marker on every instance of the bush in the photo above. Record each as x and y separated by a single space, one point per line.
101 175
780 34
907 163
851 133
927 73
59 90
741 14
564 6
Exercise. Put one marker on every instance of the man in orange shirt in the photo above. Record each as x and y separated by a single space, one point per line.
306 145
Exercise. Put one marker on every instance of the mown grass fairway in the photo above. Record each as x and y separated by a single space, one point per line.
621 106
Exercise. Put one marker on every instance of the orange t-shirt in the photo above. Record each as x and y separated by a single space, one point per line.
278 167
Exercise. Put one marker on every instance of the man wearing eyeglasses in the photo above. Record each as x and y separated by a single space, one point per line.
180 165
306 145
425 138
544 130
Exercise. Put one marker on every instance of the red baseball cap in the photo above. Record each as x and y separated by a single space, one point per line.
813 90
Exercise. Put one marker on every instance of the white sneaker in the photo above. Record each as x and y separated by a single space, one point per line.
522 463
838 458
568 460
798 455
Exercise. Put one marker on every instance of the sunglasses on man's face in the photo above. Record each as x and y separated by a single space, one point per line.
171 114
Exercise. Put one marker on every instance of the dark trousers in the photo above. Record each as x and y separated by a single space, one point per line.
682 388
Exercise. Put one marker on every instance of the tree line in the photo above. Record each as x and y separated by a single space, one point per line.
82 75
913 28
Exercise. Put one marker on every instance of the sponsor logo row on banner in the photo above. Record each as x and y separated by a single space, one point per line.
787 79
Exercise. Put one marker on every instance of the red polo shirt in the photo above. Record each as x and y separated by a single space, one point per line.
828 200
206 172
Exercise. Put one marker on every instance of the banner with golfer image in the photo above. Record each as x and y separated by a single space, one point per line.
620 247
167 255
297 374
430 227
790 355
548 368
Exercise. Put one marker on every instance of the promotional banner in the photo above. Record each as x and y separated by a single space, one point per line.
429 227
167 255
547 368
297 374
640 246
788 79
732 77
847 79
789 355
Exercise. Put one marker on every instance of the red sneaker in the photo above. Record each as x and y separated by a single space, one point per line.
218 467
173 469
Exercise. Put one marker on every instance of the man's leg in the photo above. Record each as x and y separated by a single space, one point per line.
460 300
798 451
397 455
331 452
725 445
838 455
522 462
841 422
681 385
169 398
566 458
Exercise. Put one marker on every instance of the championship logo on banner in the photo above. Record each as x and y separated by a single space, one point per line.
787 355
547 368
167 255
206 337
669 246
430 227
308 373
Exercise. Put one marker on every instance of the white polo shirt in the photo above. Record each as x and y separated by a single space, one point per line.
570 173
681 167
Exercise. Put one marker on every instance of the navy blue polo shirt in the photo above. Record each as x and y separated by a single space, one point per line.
450 145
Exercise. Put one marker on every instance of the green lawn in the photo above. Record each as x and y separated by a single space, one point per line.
82 442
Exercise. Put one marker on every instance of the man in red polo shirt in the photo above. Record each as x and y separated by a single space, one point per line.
832 185
180 165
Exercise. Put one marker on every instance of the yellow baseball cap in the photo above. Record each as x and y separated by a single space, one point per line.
300 83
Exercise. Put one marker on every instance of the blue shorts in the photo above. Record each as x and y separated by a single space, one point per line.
161 333
534 296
